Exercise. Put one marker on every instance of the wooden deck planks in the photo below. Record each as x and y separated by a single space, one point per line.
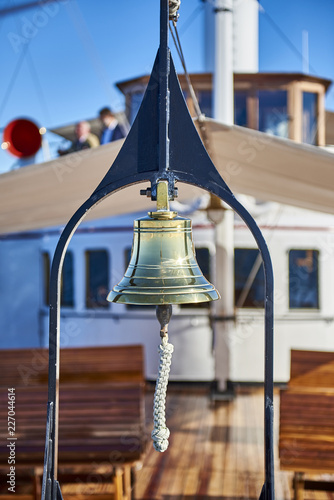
215 452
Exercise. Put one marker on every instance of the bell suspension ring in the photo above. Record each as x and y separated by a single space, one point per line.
160 433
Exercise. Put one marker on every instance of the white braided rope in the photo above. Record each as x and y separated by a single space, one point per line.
174 6
160 433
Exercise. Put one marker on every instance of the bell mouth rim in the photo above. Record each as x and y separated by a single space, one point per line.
168 290
176 297
138 301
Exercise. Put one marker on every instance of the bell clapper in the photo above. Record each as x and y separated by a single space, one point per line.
160 433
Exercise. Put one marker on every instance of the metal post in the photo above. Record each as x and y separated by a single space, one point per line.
223 74
164 68
223 111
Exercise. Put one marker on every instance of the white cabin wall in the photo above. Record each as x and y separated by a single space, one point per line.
308 329
20 276
294 329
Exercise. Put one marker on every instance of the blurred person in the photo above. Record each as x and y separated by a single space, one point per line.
84 139
112 129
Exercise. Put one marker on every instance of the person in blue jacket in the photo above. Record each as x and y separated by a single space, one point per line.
112 130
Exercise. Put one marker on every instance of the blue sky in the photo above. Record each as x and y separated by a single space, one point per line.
68 56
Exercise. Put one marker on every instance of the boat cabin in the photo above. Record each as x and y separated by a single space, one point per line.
289 105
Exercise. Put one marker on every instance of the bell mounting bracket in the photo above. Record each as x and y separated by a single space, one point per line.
163 144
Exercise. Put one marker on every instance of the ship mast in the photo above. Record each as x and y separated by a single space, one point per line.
231 45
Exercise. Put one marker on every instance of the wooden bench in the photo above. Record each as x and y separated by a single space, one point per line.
101 419
306 440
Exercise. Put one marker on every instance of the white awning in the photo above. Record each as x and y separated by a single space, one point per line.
250 162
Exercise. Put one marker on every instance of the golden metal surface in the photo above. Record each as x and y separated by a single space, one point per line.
163 211
162 196
163 267
166 214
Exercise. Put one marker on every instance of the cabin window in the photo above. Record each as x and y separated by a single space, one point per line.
273 112
303 279
204 262
67 280
205 102
46 278
248 278
97 279
310 123
240 109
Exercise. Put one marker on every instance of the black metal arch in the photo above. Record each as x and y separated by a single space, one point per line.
162 144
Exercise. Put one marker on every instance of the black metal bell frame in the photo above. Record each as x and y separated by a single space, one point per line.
162 144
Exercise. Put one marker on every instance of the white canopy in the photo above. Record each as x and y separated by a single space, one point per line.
250 162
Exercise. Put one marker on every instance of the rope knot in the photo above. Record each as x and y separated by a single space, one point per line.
174 6
166 349
160 438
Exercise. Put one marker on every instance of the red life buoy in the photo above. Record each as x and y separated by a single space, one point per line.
22 138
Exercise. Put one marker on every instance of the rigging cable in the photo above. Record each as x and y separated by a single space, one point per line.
179 50
13 9
191 19
283 36
200 116
38 87
13 78
34 75
2 17
93 54
36 82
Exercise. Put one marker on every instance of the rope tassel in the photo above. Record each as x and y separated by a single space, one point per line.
160 433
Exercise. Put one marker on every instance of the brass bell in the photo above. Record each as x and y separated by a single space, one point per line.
163 267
